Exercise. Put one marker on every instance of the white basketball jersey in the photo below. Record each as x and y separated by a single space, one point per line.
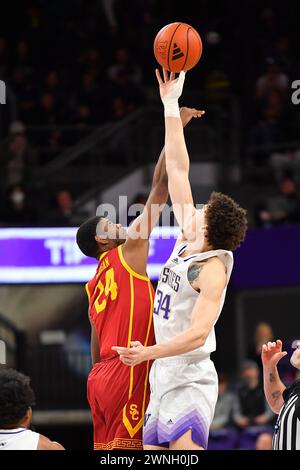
18 439
175 298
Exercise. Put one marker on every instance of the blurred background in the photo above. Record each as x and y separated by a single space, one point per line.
83 124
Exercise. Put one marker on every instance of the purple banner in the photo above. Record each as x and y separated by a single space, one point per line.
43 255
268 257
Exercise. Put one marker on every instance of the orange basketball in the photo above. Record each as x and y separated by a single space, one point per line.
177 47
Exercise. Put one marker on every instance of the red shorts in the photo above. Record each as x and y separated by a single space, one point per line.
118 396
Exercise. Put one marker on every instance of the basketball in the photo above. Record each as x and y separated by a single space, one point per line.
177 47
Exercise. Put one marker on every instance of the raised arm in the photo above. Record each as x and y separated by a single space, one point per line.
135 250
273 387
177 159
142 226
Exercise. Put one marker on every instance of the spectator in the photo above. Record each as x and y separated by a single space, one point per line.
84 119
52 82
16 401
62 215
263 334
224 406
48 113
26 92
17 158
54 86
125 65
250 407
91 61
130 94
93 96
283 207
283 53
94 60
268 25
118 108
217 86
273 79
23 59
88 89
17 209
270 129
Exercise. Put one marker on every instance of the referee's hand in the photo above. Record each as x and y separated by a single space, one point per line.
271 354
295 359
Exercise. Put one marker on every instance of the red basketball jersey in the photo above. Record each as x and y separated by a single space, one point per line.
120 304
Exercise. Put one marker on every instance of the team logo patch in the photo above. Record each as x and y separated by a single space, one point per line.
134 412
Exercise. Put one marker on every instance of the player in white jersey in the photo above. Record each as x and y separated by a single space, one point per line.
188 301
16 399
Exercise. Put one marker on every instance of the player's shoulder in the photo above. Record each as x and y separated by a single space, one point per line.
215 262
213 272
45 444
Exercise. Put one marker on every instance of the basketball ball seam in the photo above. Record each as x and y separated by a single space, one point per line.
171 44
187 47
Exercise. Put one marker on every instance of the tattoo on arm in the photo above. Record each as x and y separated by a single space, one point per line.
276 395
271 377
193 273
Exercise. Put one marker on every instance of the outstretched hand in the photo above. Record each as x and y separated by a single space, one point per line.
271 354
170 87
187 114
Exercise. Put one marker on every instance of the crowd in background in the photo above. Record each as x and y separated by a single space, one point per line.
71 66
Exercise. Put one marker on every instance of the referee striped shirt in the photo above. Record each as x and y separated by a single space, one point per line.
287 429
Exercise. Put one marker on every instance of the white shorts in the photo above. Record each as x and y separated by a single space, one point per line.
183 396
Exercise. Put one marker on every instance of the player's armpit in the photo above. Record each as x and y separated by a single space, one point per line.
45 444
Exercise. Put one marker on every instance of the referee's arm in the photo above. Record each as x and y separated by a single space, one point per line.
273 387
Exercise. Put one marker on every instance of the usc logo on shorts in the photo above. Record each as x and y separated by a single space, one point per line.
134 412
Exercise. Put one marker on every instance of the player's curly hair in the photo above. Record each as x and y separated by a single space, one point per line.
16 396
85 237
226 222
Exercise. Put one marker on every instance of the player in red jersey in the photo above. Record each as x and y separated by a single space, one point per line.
120 311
